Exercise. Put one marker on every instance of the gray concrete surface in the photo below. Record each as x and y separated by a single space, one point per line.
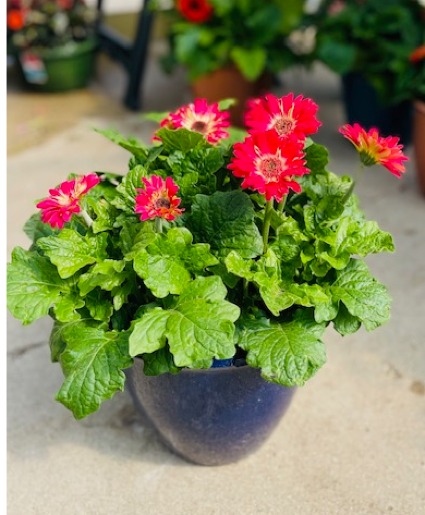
353 440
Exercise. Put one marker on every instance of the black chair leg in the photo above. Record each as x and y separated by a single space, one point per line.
131 55
138 57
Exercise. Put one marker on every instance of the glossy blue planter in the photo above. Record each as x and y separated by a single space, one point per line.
362 106
210 417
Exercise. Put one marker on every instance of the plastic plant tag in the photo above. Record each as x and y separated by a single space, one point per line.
33 68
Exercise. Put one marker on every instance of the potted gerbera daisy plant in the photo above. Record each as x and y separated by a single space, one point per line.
205 277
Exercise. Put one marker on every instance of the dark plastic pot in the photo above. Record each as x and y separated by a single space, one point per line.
60 68
210 417
362 106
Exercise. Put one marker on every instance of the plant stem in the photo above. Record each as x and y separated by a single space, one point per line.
282 204
266 223
158 224
86 217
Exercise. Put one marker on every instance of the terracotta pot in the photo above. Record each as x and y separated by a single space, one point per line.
419 142
230 83
213 416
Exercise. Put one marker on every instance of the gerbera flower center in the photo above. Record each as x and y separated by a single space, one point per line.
284 126
270 168
162 202
199 126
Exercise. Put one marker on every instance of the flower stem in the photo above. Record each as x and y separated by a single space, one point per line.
158 224
86 217
282 204
266 224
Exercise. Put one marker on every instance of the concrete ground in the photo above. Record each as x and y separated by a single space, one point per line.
353 440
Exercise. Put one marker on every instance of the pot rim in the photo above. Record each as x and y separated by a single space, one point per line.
188 371
69 49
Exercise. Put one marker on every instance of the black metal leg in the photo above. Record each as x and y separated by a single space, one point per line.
138 57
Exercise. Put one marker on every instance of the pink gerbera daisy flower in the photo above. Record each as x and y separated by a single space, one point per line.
158 199
200 117
375 149
286 115
64 200
268 165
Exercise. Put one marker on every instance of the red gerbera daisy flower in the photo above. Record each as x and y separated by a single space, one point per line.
64 200
158 199
286 115
196 11
375 149
200 117
268 165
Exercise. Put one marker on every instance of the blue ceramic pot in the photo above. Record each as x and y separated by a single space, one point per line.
362 106
210 417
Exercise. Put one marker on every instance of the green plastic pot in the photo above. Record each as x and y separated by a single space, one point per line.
60 68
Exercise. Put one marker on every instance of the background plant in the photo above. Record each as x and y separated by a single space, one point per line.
374 38
48 23
251 34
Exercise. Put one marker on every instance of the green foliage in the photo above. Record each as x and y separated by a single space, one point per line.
250 34
376 39
202 287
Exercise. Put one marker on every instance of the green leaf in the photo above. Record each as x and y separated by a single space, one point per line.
106 214
368 239
56 341
66 307
288 353
199 327
107 275
340 57
128 189
33 285
70 251
180 139
317 157
156 116
364 297
251 62
159 362
277 295
148 334
99 305
92 364
167 264
34 228
345 323
133 145
226 222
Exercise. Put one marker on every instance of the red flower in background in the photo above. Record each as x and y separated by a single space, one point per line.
268 164
375 149
418 54
16 19
196 11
